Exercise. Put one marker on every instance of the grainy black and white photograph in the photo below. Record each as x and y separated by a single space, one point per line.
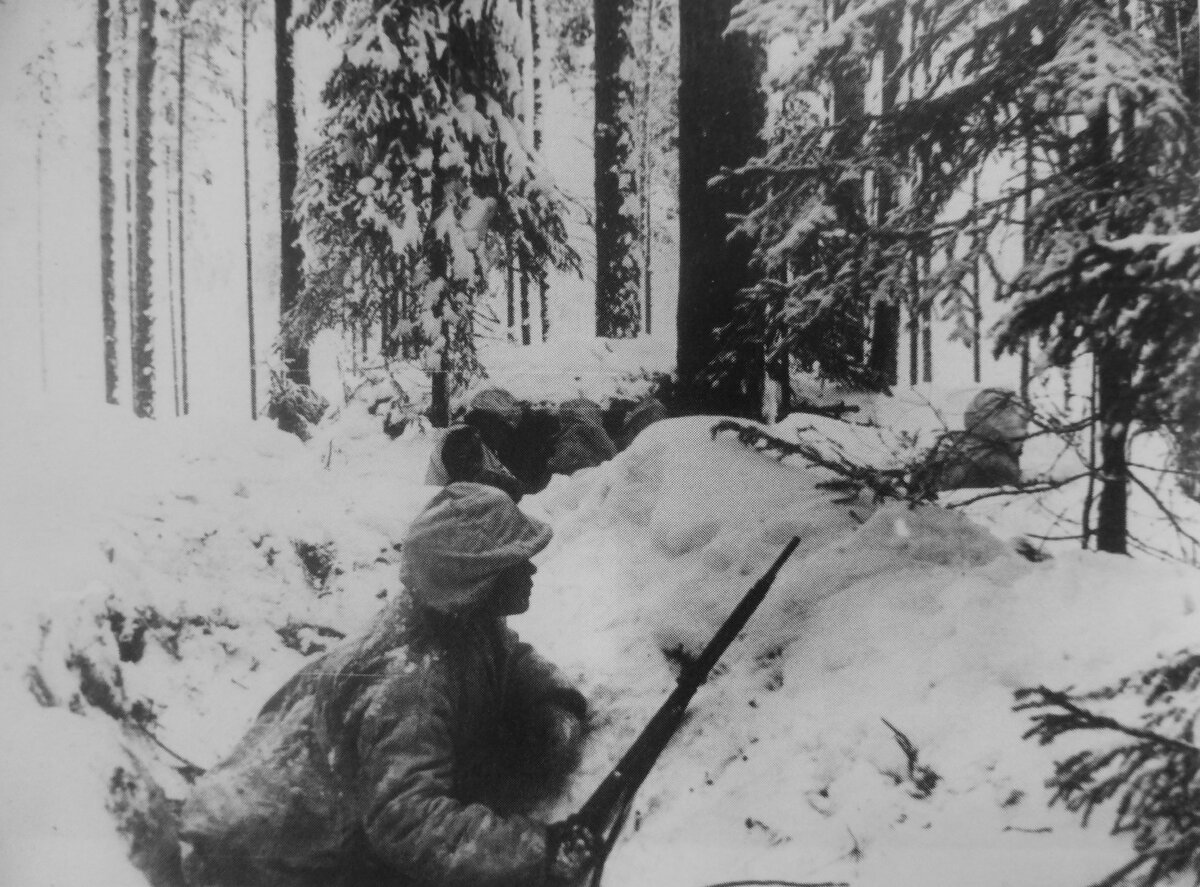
622 443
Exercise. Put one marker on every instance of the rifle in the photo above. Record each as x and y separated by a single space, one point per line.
604 813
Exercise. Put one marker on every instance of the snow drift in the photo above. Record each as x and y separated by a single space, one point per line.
173 575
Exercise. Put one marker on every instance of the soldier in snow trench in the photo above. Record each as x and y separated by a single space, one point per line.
403 757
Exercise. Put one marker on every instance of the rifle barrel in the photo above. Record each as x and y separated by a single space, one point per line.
636 763
698 671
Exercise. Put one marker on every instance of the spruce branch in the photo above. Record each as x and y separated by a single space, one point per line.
908 484
1049 725
1153 781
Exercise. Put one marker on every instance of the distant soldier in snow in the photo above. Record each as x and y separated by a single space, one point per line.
401 757
295 408
987 452
641 416
460 454
582 441
499 442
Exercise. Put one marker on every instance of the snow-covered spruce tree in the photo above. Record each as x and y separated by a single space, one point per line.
1127 173
142 320
420 172
818 191
291 256
108 198
1093 98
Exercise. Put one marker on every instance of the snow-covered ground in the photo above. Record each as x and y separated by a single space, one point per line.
158 567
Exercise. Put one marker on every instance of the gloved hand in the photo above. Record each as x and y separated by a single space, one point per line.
558 736
570 852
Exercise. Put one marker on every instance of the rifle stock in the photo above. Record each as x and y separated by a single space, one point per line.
618 787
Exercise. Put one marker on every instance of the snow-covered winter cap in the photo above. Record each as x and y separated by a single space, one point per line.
997 414
581 410
500 404
465 536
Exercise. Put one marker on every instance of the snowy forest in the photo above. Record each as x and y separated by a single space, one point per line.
915 282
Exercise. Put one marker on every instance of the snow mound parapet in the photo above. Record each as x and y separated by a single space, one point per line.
867 705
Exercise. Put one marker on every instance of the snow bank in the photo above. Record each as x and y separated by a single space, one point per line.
189 568
573 367
786 768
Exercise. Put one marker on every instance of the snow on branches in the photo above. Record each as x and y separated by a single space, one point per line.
1151 773
889 108
421 170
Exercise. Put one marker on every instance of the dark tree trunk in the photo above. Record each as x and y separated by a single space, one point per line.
647 170
618 297
535 44
526 325
721 112
439 399
171 284
976 300
848 323
510 285
246 206
927 342
535 63
181 207
295 354
884 357
528 127
926 325
914 339
914 319
1114 379
108 282
143 319
127 102
1027 202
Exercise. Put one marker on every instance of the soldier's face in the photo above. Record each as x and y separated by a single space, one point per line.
512 589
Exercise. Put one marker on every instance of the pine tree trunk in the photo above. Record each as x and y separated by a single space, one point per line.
926 327
647 170
976 298
1027 203
618 300
246 205
526 119
143 320
914 321
510 285
1114 379
526 325
884 356
108 282
295 354
181 208
848 320
171 285
721 112
535 42
127 147
535 63
927 344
